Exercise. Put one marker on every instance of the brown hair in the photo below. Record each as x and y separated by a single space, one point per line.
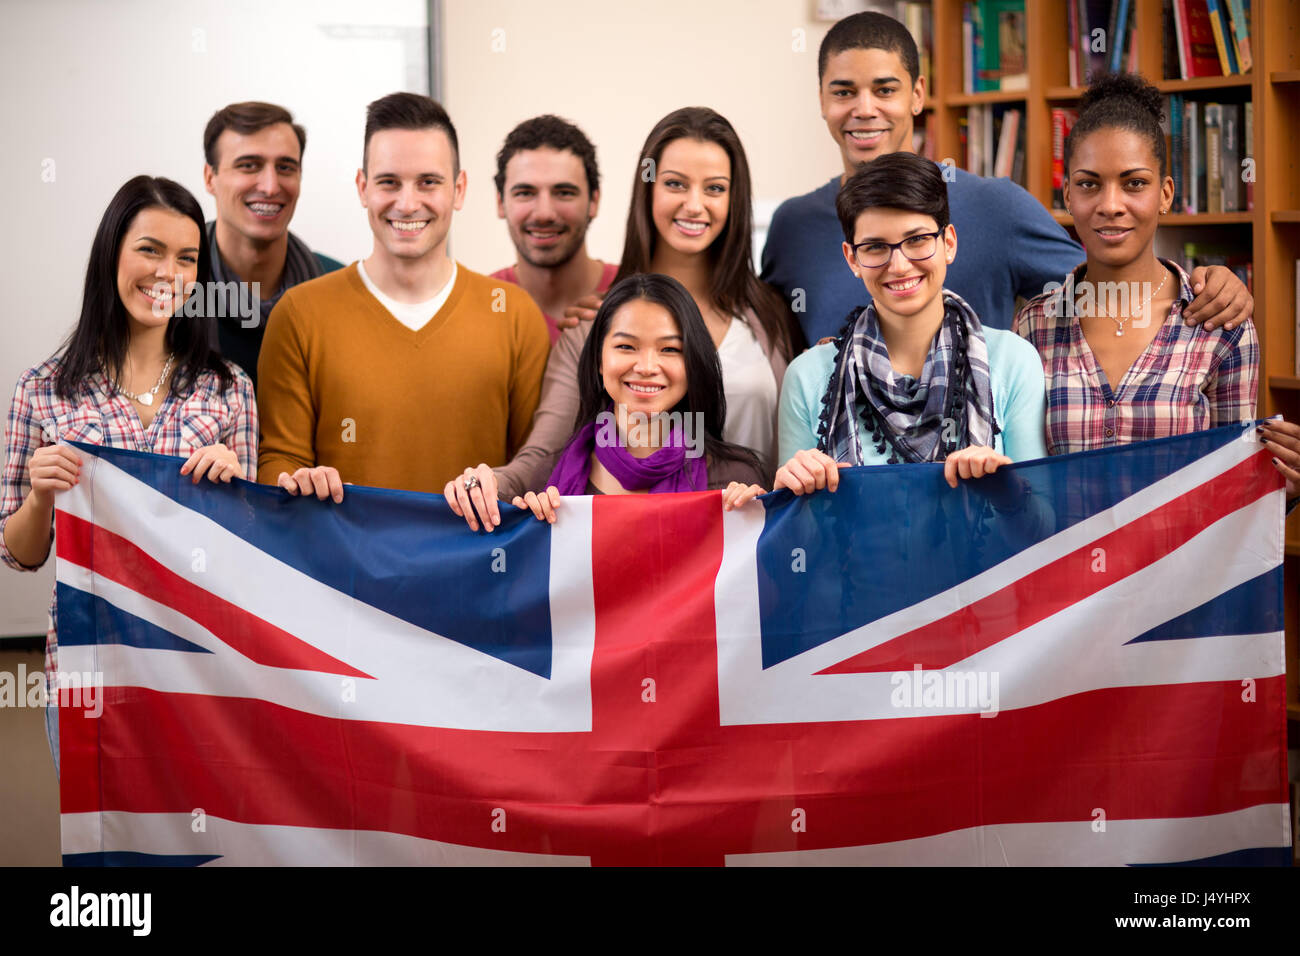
409 111
247 118
733 286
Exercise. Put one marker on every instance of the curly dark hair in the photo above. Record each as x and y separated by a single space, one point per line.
1121 101
549 132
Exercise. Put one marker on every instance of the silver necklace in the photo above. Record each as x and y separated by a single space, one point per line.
1141 308
146 398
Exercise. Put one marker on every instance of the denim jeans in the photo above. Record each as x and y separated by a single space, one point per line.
52 732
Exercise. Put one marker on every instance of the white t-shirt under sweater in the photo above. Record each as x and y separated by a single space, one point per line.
413 315
750 387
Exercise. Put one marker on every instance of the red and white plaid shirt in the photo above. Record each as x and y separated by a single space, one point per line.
1186 380
100 415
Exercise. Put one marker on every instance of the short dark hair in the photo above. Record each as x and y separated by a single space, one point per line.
409 111
870 31
548 132
1121 101
893 181
247 118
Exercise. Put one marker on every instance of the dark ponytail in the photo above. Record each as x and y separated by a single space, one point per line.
1121 101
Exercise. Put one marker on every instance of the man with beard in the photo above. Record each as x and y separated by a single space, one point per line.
548 189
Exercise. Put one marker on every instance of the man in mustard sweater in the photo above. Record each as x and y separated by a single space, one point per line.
399 369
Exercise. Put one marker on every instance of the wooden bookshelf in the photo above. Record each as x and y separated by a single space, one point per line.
1273 86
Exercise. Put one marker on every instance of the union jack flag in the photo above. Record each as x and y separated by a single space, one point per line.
1074 661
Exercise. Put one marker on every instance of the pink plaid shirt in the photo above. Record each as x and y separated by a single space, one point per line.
100 415
1186 380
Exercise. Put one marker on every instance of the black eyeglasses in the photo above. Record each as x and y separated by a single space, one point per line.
874 253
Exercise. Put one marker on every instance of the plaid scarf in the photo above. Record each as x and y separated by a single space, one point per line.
949 407
300 264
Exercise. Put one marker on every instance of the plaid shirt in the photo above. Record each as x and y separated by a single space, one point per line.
100 415
1186 380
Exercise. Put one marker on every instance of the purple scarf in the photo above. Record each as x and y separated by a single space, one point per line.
667 470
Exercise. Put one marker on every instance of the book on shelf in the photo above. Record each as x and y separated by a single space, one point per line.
1230 157
1008 136
1193 158
1248 154
1213 157
1209 145
1212 37
994 140
1219 26
993 46
1174 112
1239 13
1099 37
919 20
1062 122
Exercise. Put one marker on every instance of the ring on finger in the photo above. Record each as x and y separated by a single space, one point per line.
471 482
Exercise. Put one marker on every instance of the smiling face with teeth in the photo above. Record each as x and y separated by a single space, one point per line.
256 182
903 290
642 364
159 245
409 192
869 102
546 205
691 196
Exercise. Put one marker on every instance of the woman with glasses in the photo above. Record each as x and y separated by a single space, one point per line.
914 376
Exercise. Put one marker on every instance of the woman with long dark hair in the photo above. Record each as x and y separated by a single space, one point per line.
137 372
651 408
690 218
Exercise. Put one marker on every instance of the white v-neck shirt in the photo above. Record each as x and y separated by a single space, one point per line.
413 315
749 384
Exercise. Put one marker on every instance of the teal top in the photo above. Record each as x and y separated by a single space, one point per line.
1015 375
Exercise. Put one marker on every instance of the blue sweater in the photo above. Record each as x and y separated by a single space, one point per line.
1015 375
1007 245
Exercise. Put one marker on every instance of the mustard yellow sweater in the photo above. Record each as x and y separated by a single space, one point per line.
343 383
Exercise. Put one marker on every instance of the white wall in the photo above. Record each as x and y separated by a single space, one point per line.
107 89
615 68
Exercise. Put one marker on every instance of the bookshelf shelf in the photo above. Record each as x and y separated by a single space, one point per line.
1202 83
1198 85
987 98
1285 382
1284 215
1279 77
1182 218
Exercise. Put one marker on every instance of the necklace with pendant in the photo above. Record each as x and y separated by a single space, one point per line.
146 398
1142 308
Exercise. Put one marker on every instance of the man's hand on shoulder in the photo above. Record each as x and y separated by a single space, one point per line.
584 310
1222 299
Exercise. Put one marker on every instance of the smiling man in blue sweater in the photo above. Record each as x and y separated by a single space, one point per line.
871 91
